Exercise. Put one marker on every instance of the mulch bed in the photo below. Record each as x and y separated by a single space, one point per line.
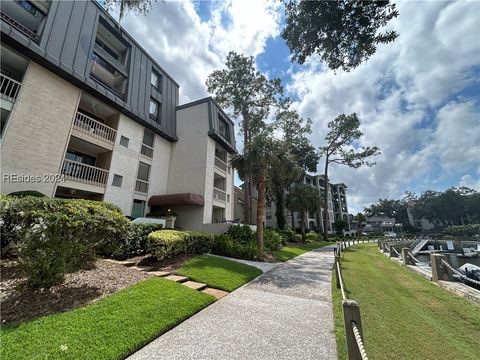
19 303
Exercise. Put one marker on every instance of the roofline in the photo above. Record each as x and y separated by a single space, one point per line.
205 100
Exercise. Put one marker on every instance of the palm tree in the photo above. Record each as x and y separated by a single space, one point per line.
256 162
303 198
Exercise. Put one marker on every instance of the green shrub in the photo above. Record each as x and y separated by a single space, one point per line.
54 236
225 245
463 230
24 193
167 243
312 236
135 243
289 234
200 242
297 238
242 233
272 240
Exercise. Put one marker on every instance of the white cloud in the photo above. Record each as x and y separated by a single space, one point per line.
470 182
406 97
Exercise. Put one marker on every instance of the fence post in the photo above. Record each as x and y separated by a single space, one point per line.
337 275
405 257
351 312
390 251
438 273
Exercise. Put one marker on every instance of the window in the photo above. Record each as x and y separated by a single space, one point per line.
156 80
138 208
27 5
124 141
117 180
223 128
154 109
143 172
148 137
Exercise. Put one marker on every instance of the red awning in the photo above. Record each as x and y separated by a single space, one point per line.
176 200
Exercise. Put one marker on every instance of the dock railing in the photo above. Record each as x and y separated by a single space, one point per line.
351 311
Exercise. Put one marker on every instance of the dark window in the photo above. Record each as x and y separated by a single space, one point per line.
154 109
148 137
156 80
80 157
27 5
143 171
124 141
117 180
223 128
105 47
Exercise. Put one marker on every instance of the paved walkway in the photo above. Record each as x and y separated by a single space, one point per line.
286 313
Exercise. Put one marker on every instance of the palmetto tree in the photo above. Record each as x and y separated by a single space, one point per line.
303 198
256 162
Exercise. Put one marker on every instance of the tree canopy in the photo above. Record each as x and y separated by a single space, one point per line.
343 32
303 198
138 6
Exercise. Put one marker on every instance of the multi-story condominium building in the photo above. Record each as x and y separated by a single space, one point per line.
336 206
87 113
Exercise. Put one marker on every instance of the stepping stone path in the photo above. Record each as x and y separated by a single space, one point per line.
216 293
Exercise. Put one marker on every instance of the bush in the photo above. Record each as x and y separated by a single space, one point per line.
54 236
298 238
312 236
288 234
225 245
168 243
463 230
24 193
135 243
241 233
272 240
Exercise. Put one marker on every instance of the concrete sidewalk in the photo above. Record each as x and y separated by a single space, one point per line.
285 313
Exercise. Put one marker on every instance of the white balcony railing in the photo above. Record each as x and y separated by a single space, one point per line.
9 88
147 151
84 173
87 125
222 165
219 194
141 186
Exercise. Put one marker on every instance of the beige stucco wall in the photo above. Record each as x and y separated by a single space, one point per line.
35 139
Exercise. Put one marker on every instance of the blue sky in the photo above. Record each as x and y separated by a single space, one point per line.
417 99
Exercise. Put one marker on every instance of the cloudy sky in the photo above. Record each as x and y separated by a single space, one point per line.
418 99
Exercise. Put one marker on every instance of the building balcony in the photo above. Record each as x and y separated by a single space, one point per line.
141 186
85 174
220 164
219 195
90 128
9 88
147 151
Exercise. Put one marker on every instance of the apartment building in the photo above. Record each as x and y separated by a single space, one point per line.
336 206
87 113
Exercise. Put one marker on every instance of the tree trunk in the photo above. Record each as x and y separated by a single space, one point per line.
247 185
292 214
325 203
302 225
280 207
260 214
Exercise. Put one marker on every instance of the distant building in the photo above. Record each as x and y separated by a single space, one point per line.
418 223
239 205
382 224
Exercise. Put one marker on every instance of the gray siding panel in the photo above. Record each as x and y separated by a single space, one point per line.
66 46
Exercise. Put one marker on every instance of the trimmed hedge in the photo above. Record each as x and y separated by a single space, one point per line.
241 233
135 243
463 230
168 243
52 237
24 193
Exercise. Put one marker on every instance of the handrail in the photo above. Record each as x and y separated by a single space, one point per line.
146 150
459 274
141 186
88 125
219 194
222 165
9 87
84 173
359 340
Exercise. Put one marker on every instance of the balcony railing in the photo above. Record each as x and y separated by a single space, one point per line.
9 88
219 194
84 173
222 165
147 151
87 125
141 186
19 26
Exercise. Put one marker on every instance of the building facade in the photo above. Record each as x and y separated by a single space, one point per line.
336 206
87 113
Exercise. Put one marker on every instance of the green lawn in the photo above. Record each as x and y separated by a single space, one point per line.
218 273
112 328
288 252
404 316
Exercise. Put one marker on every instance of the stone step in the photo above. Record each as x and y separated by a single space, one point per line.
195 285
216 293
176 278
159 273
121 262
143 268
